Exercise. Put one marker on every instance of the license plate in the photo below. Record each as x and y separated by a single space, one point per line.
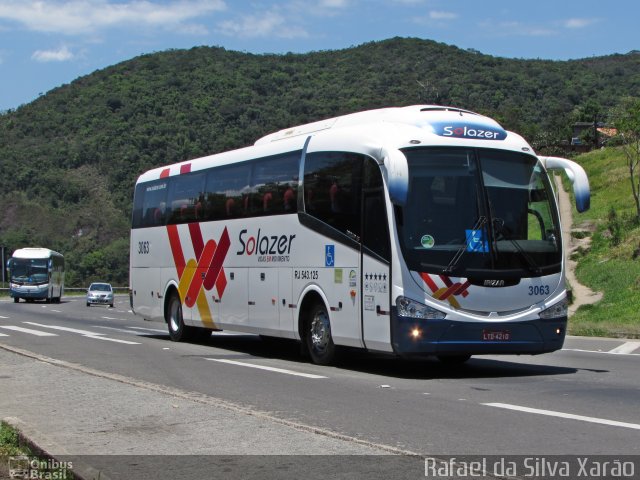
496 335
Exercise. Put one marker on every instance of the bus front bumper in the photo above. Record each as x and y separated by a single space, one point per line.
29 291
413 337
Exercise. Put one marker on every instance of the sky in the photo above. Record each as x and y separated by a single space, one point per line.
48 43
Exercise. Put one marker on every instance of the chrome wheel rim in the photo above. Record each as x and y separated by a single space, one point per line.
320 332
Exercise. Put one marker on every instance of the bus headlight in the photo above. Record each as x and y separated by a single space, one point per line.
411 308
560 309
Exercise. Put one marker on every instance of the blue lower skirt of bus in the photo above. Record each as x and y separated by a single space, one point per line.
418 337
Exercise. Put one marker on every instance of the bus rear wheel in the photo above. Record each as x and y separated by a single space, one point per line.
318 336
178 331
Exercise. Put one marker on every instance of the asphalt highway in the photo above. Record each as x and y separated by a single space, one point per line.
259 397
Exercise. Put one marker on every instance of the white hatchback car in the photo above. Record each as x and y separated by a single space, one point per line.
100 294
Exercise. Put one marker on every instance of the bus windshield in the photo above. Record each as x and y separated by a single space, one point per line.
29 271
479 213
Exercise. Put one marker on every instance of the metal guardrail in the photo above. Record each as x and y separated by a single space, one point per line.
76 290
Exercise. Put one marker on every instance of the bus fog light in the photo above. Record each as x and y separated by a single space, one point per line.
411 308
558 310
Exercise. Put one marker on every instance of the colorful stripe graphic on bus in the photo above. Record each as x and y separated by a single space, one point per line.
199 275
449 291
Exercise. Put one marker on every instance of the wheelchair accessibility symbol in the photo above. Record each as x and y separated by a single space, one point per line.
329 255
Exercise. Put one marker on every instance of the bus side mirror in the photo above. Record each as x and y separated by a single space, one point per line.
397 176
577 176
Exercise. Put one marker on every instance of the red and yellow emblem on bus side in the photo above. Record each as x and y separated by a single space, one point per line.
196 276
449 291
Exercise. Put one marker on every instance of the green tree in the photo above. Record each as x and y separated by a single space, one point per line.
627 121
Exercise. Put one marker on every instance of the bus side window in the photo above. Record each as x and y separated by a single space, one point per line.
375 229
332 184
289 199
149 204
272 185
185 193
227 188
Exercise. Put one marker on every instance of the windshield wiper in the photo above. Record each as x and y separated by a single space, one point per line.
498 225
482 220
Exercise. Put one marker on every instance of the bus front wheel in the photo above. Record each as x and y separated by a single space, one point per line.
318 336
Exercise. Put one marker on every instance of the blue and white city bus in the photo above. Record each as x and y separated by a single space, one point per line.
421 230
36 274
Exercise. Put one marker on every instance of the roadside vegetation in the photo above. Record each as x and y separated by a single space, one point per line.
611 263
72 156
14 452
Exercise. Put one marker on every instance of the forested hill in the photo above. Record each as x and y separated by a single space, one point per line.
69 160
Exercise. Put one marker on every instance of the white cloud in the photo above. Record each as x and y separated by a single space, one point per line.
515 28
579 22
334 3
86 16
62 54
436 18
267 24
438 15
408 2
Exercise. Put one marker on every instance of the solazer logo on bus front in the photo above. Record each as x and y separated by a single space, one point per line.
469 130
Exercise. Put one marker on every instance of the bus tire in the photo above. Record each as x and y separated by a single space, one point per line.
454 359
318 336
178 331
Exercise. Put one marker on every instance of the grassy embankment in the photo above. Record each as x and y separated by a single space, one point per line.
612 262
14 448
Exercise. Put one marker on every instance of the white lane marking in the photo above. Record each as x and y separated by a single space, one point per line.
57 311
115 340
3 317
37 333
3 335
122 330
85 333
111 318
262 367
627 347
611 352
155 330
67 329
571 416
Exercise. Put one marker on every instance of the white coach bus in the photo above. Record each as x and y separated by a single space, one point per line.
36 274
418 231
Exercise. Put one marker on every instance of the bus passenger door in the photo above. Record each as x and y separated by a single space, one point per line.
375 271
